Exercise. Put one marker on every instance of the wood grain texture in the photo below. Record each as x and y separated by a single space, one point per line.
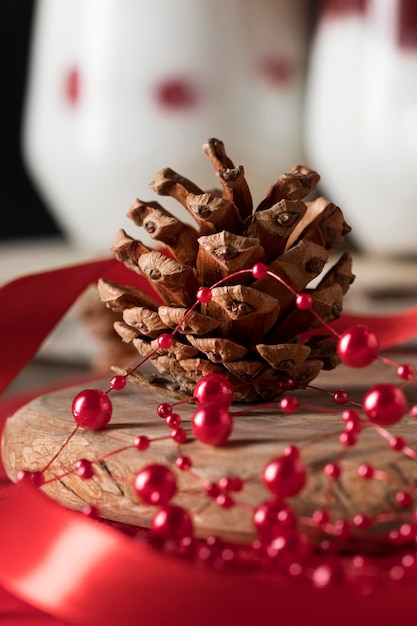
35 433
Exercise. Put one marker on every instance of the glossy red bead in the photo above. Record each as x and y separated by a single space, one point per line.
212 424
342 529
327 575
173 420
404 499
405 372
289 547
287 383
214 388
213 490
285 476
353 426
230 483
141 442
292 451
164 409
321 517
358 346
365 471
35 478
155 484
165 341
347 438
332 470
385 404
91 511
172 523
204 295
179 435
92 409
364 522
289 404
84 469
118 382
225 501
340 397
397 443
184 463
351 415
304 301
259 271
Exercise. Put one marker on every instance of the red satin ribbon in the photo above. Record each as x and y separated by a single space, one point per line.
31 306
90 575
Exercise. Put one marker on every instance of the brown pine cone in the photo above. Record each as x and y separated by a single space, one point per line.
250 330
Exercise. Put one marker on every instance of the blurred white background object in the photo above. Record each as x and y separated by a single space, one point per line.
361 118
119 89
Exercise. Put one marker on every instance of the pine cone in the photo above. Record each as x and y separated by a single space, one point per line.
250 330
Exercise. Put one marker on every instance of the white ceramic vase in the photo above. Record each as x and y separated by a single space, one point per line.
119 89
361 118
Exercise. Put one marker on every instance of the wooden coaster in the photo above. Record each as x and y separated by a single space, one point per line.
34 434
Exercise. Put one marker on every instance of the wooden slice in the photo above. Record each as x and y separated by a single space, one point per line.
34 434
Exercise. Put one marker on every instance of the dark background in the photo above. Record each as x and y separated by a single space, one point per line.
23 211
